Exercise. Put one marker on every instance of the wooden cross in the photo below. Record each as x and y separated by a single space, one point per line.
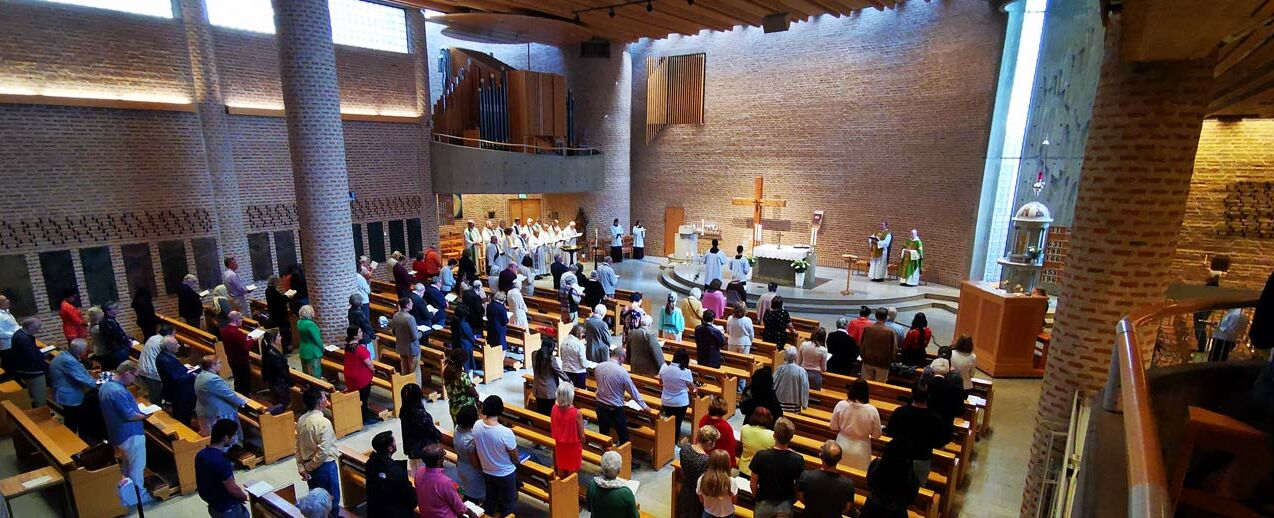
757 202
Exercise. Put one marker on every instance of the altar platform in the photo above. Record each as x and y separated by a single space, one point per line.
825 297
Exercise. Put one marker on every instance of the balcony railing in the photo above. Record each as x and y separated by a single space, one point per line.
520 148
1179 330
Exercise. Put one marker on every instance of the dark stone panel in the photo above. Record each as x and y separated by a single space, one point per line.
15 283
376 241
207 262
259 249
59 275
99 274
172 259
397 236
285 249
139 269
358 241
415 237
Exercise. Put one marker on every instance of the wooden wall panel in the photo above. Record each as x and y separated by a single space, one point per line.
674 91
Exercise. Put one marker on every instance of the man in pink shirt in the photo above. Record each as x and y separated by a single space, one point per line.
435 492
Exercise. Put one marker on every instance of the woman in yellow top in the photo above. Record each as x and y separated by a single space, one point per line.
692 309
311 342
755 435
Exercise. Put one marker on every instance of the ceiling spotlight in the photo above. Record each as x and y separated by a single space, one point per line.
649 7
612 12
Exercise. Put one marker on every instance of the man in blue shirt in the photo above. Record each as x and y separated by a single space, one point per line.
214 474
612 382
124 424
70 381
607 277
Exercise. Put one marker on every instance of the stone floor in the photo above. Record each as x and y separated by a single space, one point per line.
994 486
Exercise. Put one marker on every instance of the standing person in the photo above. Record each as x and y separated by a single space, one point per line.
435 491
713 262
677 386
115 342
692 309
468 468
363 287
791 383
671 322
359 320
463 338
880 247
763 302
432 264
457 383
223 305
639 241
709 341
389 490
774 474
740 331
946 393
547 373
189 303
472 241
716 488
568 432
234 285
913 258
557 269
238 350
693 456
917 342
891 482
760 393
597 335
609 495
274 370
824 491
616 241
612 381
516 304
431 294
309 342
778 324
922 429
407 339
73 325
316 448
842 350
755 435
892 322
1232 328
144 308
856 422
812 356
124 427
70 381
496 450
214 474
25 361
607 278
498 322
402 277
214 400
717 418
740 267
630 315
358 371
879 348
505 281
857 326
713 299
419 430
277 313
645 353
296 282
179 383
569 297
149 370
573 355
963 361
447 278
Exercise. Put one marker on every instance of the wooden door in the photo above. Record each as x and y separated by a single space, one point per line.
674 217
523 209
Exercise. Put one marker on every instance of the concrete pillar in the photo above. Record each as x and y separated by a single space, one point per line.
420 64
311 98
1132 196
215 126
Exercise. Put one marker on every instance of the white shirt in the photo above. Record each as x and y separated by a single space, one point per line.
740 270
740 330
964 364
617 235
639 237
149 352
572 353
363 288
718 505
855 421
8 326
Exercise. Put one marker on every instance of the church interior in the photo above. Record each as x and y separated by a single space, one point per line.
397 217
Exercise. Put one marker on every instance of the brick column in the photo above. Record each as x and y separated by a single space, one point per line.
420 54
307 71
215 126
1132 195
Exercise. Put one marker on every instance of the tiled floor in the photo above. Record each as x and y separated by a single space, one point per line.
994 487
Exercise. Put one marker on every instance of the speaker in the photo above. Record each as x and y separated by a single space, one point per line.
595 48
776 22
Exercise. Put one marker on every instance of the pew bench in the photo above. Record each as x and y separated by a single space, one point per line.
648 430
41 440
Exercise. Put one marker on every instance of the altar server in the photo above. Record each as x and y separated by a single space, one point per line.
616 241
740 268
639 240
713 262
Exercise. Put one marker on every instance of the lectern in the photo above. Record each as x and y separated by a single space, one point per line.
1003 326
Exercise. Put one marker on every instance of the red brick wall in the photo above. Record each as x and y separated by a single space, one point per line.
879 116
1229 152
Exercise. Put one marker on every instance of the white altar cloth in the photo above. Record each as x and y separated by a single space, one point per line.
787 252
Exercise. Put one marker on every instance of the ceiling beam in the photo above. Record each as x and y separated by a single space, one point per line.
653 24
698 13
1236 52
1244 80
746 12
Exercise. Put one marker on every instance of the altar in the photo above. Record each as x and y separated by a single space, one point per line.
774 264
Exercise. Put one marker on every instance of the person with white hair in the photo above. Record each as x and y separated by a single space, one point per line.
517 304
568 431
671 321
645 353
946 392
613 381
842 349
315 504
70 381
692 308
791 383
597 335
25 362
891 320
609 495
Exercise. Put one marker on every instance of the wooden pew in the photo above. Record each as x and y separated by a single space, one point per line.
647 430
21 398
384 377
42 439
270 502
595 444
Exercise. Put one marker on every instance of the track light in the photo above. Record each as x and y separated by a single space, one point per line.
612 12
649 7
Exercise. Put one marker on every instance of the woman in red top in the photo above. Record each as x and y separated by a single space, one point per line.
73 325
716 418
358 370
568 431
916 342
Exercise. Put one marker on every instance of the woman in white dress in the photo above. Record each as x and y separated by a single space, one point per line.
713 262
963 360
639 240
856 423
517 305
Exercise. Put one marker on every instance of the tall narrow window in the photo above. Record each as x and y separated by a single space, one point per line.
160 8
354 22
674 91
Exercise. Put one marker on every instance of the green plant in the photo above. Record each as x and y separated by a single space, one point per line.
800 265
752 261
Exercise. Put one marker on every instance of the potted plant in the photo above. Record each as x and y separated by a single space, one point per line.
800 266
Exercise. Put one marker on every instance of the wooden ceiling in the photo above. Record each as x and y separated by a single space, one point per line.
633 22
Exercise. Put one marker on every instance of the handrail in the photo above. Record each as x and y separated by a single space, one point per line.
1148 494
443 138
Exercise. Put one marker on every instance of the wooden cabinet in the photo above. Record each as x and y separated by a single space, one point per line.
1003 326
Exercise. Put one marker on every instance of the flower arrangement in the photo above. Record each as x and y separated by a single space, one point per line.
1032 252
800 265
752 261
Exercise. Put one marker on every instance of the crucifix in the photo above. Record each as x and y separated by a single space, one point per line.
757 202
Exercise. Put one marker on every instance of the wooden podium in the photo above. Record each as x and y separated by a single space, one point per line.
1003 326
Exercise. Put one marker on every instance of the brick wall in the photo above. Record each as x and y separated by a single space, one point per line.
84 167
880 116
1229 153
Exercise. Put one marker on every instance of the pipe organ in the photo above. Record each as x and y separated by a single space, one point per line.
486 99
674 91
